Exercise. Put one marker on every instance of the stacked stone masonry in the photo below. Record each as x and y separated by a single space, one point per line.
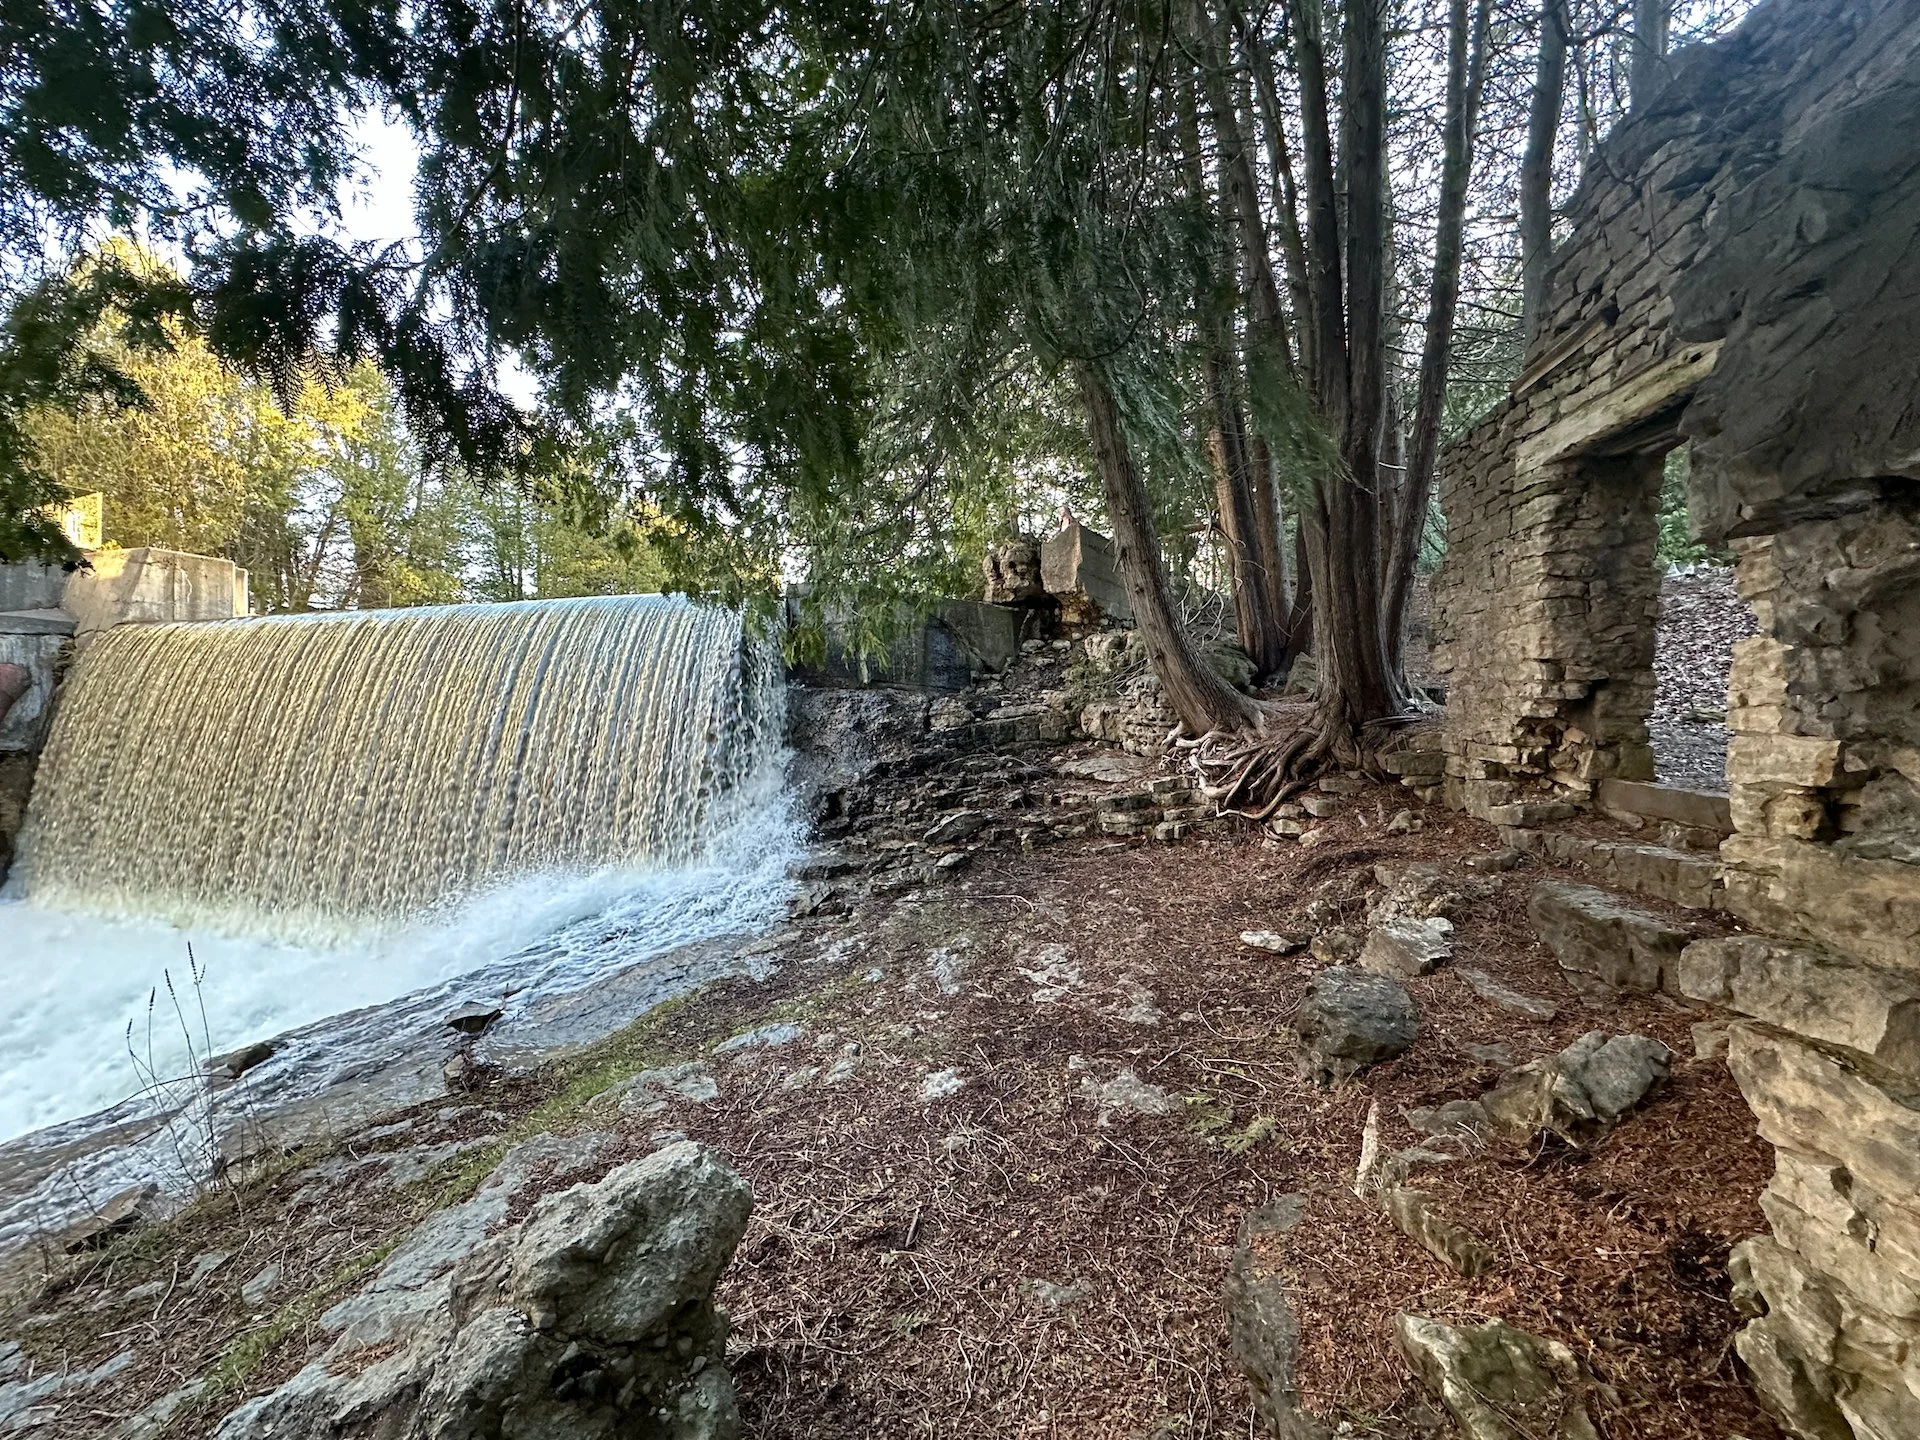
1740 275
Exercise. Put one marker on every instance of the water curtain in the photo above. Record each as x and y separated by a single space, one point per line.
313 776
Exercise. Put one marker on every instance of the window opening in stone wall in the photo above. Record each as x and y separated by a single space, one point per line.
1701 617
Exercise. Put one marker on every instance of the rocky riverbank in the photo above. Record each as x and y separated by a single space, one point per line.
1010 1127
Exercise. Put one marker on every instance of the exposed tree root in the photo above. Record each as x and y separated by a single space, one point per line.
1253 772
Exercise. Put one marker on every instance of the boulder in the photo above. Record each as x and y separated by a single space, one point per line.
1260 1321
1231 663
1603 940
1350 1018
1580 1093
1498 1383
1407 947
592 1317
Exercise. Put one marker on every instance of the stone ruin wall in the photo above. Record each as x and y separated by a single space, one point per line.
1742 274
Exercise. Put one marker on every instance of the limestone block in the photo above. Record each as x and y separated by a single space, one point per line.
1599 936
1812 992
1845 1231
1822 893
1760 672
1784 813
1817 1353
1695 809
1808 1100
1801 760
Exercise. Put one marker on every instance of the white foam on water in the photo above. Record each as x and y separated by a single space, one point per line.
71 983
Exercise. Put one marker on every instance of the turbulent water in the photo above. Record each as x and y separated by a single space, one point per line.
337 810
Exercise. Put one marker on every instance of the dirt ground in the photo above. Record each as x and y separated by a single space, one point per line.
956 1231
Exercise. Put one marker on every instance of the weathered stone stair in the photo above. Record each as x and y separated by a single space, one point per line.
1683 869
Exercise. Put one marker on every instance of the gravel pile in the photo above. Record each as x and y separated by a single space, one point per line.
1700 618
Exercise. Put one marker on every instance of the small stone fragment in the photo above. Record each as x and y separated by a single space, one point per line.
261 1285
1061 1297
1272 940
941 1084
204 1264
471 1019
1126 1094
762 1037
1335 947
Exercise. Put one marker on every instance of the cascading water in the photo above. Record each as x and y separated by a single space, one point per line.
337 810
305 776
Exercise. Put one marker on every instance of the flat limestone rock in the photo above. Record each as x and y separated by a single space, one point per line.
1496 992
1453 1244
1455 1117
1261 1325
1407 947
1498 1383
1604 940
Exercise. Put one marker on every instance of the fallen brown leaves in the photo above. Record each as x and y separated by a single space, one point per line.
1000 1262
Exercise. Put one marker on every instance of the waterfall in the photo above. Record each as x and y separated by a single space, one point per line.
314 777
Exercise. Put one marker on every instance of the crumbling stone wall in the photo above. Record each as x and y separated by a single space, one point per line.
1742 275
1546 603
